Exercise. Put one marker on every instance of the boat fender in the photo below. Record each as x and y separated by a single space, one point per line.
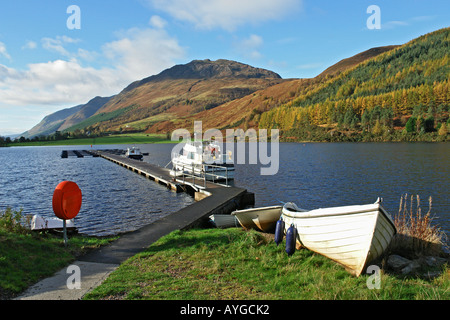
279 231
291 235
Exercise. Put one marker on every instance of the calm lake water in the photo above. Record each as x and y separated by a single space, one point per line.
313 175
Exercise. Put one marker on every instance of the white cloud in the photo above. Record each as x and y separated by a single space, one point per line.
250 46
137 53
394 24
140 53
53 83
157 22
30 45
226 14
3 51
57 44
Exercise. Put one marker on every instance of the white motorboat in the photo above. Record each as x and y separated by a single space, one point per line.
134 153
350 235
203 159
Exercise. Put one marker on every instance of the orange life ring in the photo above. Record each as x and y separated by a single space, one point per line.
67 200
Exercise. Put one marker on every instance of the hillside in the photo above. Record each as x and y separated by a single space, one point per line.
65 118
402 94
51 123
222 93
384 93
355 60
176 92
245 112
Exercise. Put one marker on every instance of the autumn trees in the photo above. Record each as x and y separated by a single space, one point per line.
390 92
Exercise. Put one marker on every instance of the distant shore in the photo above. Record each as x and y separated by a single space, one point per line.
143 138
134 138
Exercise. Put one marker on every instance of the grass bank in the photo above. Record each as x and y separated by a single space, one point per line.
132 138
27 257
237 264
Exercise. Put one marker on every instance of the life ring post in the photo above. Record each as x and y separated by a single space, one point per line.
66 202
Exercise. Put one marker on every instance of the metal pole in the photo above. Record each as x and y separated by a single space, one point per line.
226 176
65 232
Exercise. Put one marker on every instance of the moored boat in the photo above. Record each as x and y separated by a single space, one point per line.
350 235
262 219
203 159
134 153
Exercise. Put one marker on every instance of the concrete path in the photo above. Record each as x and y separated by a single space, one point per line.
62 286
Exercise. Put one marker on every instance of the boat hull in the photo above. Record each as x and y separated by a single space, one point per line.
135 157
43 223
262 219
224 221
211 172
351 235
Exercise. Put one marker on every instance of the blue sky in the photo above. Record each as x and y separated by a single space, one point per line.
45 66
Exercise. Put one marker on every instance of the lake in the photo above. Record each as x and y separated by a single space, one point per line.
313 175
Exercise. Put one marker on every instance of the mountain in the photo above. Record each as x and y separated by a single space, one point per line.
371 94
66 118
355 60
401 94
245 112
207 69
180 91
85 112
222 93
51 123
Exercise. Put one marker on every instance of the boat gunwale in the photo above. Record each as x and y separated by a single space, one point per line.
375 209
254 210
366 208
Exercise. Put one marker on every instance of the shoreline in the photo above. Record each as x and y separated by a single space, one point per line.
78 142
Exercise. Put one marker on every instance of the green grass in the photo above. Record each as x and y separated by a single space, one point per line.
143 124
236 264
101 117
131 138
26 257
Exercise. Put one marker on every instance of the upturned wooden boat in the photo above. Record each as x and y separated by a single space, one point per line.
350 235
43 223
262 219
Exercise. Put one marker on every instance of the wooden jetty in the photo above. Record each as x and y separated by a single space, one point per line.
211 198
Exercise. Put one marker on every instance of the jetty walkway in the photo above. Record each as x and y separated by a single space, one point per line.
211 198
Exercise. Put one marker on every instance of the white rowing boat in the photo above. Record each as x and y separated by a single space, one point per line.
224 221
262 219
43 223
350 235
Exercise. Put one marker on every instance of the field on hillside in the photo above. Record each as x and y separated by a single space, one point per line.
131 138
